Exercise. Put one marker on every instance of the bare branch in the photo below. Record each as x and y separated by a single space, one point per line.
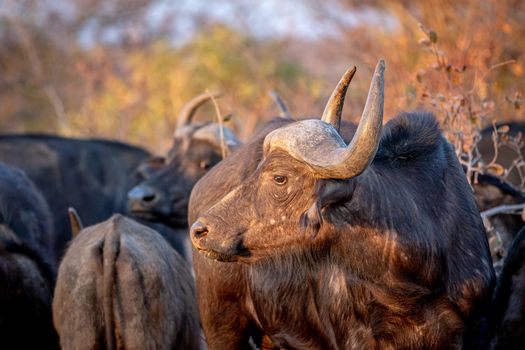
220 120
514 209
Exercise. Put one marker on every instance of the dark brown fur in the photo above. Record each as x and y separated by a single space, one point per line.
224 314
508 308
121 286
394 258
26 271
25 298
25 211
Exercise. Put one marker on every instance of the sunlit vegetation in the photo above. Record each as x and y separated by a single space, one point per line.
461 60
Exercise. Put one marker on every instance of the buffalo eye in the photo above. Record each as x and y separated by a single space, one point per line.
203 164
280 179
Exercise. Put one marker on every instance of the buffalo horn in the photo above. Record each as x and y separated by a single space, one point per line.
189 109
317 143
355 158
284 112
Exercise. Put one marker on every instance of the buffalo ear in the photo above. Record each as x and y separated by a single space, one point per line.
148 167
75 222
311 220
328 193
331 192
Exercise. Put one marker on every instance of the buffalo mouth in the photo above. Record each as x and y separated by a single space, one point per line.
171 219
213 255
238 254
149 215
142 214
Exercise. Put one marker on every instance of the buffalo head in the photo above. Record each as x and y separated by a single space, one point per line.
305 167
164 191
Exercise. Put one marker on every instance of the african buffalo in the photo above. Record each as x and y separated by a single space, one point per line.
26 271
25 211
163 195
92 175
508 307
120 286
317 244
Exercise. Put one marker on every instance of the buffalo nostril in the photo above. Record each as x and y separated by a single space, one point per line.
149 198
143 194
199 230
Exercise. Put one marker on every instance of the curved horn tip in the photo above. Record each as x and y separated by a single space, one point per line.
378 80
215 94
380 67
351 71
334 107
189 108
347 77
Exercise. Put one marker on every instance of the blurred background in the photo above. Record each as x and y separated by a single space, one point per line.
123 68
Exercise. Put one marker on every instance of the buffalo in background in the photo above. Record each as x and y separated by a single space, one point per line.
507 319
94 175
120 286
27 273
91 175
197 147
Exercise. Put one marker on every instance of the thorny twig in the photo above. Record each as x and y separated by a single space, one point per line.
220 120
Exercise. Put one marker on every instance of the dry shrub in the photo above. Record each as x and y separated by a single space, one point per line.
463 112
